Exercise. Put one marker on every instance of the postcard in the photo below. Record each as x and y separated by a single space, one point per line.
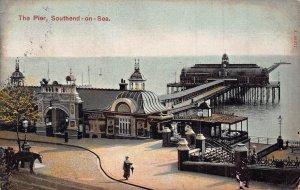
149 94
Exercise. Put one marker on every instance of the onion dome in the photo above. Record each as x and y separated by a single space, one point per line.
17 74
137 75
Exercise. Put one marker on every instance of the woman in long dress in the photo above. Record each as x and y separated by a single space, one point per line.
126 167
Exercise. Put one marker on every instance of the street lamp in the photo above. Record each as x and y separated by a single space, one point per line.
280 122
279 139
26 145
66 132
25 125
67 122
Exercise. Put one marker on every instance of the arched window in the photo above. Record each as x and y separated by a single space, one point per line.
123 107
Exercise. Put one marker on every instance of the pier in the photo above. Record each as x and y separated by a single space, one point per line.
249 94
220 84
220 92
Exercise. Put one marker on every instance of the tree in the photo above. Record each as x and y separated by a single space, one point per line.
4 171
17 104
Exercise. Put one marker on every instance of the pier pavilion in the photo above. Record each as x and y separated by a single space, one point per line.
228 128
96 112
223 83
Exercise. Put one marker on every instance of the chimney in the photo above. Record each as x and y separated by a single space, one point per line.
123 85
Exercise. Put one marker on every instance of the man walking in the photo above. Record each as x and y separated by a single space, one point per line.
126 167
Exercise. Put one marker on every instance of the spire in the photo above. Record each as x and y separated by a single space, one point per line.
17 64
136 64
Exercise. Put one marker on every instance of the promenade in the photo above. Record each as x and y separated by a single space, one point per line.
155 167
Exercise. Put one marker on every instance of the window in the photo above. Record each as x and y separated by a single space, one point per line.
123 107
124 125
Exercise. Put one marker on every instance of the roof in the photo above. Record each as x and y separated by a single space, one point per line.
137 76
17 74
147 102
226 119
70 78
97 99
204 105
216 118
190 90
225 56
93 98
101 99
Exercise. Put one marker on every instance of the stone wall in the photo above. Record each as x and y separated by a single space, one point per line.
285 176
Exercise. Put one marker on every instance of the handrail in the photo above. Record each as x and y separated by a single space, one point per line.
267 150
225 146
269 140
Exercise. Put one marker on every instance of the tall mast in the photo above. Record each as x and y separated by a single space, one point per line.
48 73
89 75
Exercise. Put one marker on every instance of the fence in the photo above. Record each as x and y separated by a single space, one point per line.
263 140
278 163
268 140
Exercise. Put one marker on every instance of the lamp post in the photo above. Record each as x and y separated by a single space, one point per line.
280 122
66 133
67 122
25 125
279 139
26 145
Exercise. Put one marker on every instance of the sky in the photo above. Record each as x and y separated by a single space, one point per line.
151 28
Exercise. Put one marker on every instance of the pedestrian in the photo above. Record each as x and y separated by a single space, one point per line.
239 180
127 166
245 176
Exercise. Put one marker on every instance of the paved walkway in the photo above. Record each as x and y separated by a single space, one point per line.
65 168
155 167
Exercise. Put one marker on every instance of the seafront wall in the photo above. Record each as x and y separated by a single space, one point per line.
284 176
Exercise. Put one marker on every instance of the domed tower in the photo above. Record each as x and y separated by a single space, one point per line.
17 77
225 60
70 79
137 79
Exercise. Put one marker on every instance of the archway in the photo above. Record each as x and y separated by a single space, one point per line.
58 119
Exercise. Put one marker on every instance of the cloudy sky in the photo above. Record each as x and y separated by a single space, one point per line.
151 28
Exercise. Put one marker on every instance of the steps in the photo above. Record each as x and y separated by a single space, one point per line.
217 151
216 154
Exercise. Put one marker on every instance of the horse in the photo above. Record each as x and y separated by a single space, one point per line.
26 157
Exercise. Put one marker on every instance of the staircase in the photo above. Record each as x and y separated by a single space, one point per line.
217 151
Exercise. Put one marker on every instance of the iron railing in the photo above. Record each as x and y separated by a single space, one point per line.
278 163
